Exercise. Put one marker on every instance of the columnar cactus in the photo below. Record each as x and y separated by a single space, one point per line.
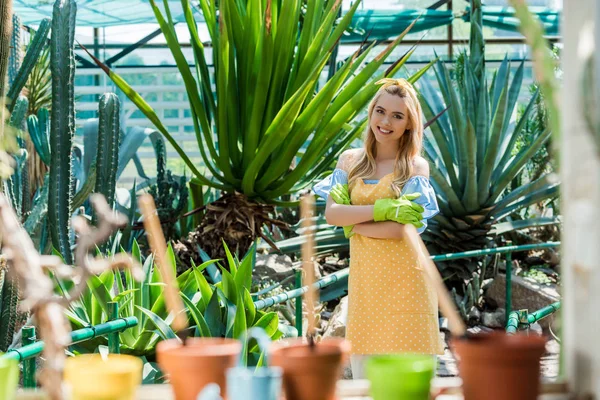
107 158
31 58
7 290
169 193
62 121
9 298
38 127
5 41
15 57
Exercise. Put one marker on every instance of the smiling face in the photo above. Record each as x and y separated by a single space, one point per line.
389 119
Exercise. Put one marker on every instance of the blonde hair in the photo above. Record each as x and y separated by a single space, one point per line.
411 141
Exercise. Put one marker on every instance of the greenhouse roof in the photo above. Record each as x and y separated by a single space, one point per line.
376 24
99 13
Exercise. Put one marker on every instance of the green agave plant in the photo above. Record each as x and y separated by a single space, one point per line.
224 309
471 149
266 112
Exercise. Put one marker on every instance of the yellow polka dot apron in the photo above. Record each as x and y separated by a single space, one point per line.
392 305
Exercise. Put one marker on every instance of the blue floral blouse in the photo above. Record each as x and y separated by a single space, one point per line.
415 184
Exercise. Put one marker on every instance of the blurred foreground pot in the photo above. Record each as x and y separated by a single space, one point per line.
9 378
310 374
498 366
92 377
200 362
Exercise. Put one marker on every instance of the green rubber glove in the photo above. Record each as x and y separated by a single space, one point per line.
402 210
339 194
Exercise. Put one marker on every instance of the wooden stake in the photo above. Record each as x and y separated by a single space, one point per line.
306 213
158 245
456 324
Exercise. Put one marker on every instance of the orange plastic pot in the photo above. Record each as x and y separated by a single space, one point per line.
498 366
310 373
200 362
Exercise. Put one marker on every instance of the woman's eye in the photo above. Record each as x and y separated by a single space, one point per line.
399 117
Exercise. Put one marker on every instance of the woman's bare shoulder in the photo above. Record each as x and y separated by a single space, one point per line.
348 158
420 167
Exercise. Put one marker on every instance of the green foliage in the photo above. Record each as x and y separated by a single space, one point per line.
545 65
472 155
224 309
538 275
472 292
327 238
535 124
39 84
264 112
542 162
17 186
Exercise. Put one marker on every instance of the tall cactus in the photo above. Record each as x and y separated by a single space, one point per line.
31 58
8 290
15 57
17 117
18 184
107 157
62 121
8 306
170 193
9 299
38 127
5 36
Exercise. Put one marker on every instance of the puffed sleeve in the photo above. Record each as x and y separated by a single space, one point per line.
322 188
420 184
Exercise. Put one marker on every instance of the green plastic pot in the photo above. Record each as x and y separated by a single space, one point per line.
9 378
401 377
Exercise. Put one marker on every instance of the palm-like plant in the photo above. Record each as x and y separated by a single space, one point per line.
472 152
223 309
265 112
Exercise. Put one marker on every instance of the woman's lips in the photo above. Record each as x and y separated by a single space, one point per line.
384 131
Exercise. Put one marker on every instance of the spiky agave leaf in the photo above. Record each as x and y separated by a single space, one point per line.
473 156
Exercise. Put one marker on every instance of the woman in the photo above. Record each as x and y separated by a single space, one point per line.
373 193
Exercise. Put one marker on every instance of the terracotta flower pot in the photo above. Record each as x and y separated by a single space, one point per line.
200 362
498 366
310 374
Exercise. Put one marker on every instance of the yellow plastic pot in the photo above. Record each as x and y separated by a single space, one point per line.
9 378
90 377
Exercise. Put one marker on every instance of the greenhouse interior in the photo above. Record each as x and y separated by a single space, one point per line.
299 199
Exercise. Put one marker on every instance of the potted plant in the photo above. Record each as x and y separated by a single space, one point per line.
310 370
195 364
497 366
